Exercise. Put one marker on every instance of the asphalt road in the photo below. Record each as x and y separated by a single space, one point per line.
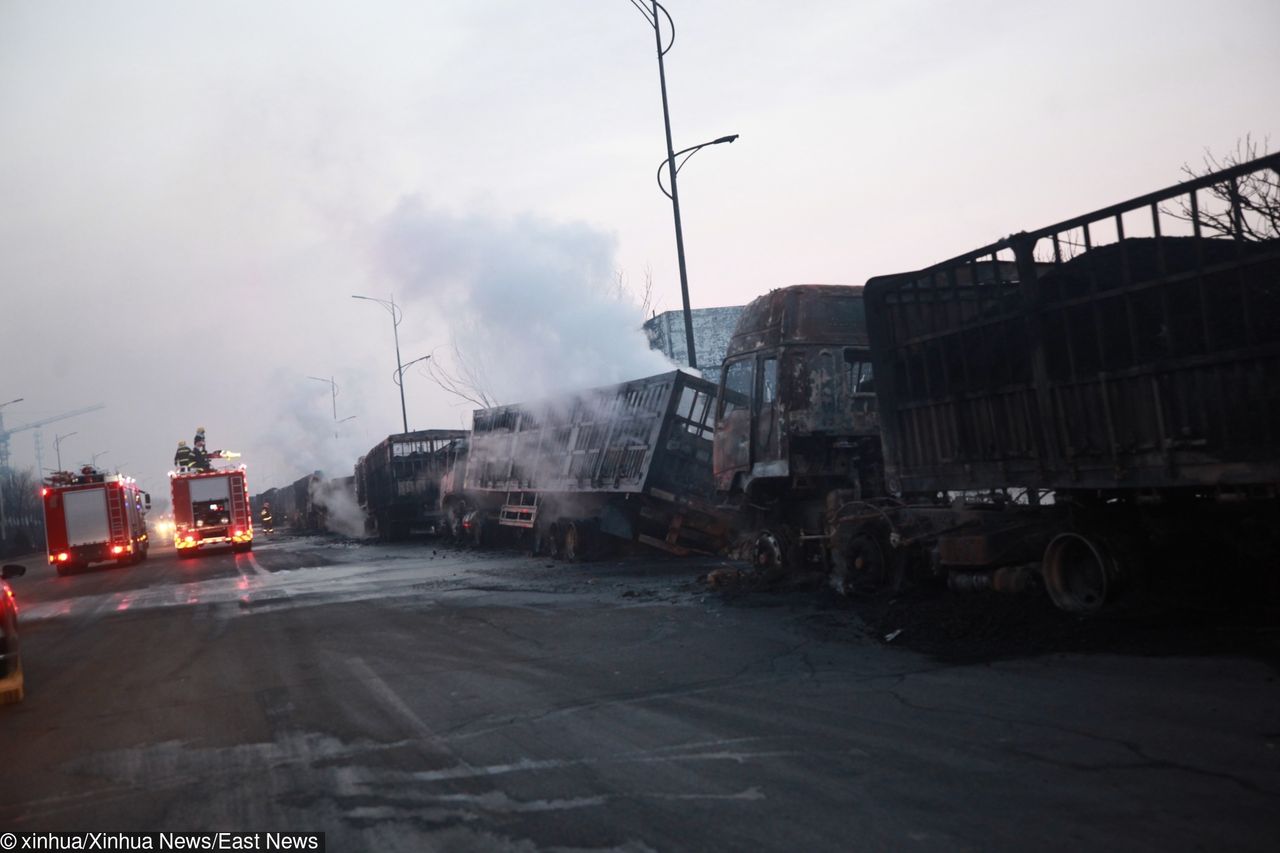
405 698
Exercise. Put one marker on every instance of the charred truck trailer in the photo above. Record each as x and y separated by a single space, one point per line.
1124 364
397 483
631 461
1064 401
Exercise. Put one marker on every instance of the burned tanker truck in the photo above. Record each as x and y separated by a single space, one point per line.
1061 405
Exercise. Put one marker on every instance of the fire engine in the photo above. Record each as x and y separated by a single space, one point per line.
210 508
94 517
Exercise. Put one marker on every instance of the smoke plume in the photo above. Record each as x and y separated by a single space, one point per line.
342 514
529 303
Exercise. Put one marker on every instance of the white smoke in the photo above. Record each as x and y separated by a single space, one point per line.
295 433
342 513
529 303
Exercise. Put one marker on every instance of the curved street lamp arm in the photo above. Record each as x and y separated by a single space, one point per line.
391 306
670 23
397 376
692 149
652 20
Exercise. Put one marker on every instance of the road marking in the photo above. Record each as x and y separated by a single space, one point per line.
384 691
257 567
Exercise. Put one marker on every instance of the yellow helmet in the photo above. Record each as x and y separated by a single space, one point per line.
182 442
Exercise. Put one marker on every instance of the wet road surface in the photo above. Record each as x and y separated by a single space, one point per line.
415 697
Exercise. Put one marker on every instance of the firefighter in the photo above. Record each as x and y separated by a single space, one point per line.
184 458
199 439
267 524
200 459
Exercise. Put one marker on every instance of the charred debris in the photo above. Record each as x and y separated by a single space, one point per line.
1058 409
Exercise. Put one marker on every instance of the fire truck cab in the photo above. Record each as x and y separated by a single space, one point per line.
210 508
94 517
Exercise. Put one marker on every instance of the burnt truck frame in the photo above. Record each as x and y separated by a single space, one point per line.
1059 403
1120 369
630 461
397 483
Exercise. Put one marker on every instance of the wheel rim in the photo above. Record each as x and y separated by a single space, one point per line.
571 543
1077 573
865 566
769 553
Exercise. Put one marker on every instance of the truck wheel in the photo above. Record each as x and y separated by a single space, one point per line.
772 554
577 541
1079 573
476 529
860 561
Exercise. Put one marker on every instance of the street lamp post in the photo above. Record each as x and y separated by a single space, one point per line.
334 388
94 460
670 162
396 316
4 521
673 169
57 446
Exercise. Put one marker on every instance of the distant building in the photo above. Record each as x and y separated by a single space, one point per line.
712 328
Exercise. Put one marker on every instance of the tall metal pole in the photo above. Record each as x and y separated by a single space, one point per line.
395 330
57 446
675 195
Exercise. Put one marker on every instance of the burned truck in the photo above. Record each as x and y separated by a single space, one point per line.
397 483
623 462
1060 404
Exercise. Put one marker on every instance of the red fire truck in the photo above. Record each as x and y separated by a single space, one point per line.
210 508
93 517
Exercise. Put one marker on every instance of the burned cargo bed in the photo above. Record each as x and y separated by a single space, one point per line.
631 460
397 483
1134 348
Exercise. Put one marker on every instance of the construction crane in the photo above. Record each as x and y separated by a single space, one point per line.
5 433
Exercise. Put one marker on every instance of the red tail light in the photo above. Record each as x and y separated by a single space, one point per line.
62 558
117 549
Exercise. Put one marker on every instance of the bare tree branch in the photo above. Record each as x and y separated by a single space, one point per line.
1255 196
462 377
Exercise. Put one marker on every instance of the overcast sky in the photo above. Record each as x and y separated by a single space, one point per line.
191 191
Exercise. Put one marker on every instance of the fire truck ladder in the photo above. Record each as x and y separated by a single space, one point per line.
239 508
116 515
520 509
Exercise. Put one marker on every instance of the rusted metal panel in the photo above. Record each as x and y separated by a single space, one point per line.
1126 349
648 434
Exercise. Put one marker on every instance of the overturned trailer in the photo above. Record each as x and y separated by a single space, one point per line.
1114 379
397 483
630 461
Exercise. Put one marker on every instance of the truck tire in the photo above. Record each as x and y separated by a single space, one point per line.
477 530
862 561
1081 571
773 555
579 540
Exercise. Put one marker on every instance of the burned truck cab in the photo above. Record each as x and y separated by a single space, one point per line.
797 408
